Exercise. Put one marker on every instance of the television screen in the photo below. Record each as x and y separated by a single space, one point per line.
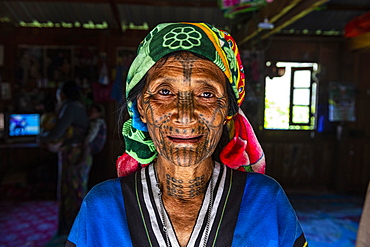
24 124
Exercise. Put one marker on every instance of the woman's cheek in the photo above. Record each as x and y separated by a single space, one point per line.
214 116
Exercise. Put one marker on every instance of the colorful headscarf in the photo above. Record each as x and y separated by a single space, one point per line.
243 152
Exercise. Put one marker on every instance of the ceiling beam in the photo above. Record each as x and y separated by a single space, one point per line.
273 11
295 14
114 7
179 3
282 14
347 7
182 3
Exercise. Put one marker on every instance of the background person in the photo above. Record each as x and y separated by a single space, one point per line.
97 134
74 159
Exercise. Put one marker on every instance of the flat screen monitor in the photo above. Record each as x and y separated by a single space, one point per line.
24 124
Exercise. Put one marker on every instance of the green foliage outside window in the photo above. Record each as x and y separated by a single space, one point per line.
290 99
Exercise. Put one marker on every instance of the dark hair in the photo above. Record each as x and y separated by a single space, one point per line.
70 89
123 115
99 108
233 103
49 104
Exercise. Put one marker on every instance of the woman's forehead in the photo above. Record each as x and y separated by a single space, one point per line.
184 58
185 64
180 77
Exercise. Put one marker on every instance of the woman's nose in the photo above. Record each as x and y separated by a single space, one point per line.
185 108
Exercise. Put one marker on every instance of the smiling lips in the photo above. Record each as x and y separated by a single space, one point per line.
185 139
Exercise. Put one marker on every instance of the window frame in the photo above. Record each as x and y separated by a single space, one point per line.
311 124
291 104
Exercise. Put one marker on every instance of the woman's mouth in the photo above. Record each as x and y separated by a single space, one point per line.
185 139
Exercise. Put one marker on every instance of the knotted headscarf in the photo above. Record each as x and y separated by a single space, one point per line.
243 152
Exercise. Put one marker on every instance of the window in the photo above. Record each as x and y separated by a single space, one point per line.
290 96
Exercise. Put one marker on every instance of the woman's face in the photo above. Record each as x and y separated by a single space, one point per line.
184 104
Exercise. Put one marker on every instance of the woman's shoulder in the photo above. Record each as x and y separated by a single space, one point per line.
107 184
260 181
261 178
74 105
105 190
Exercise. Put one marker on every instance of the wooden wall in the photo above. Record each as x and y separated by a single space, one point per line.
302 160
323 161
106 41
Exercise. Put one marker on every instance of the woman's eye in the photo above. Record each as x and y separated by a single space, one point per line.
164 92
206 95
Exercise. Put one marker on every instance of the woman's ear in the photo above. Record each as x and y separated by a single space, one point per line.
140 108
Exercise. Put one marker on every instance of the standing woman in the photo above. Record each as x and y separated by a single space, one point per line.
74 159
191 173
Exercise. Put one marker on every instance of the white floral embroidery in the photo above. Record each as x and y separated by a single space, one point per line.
182 37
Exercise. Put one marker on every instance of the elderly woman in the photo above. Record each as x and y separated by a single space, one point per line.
181 179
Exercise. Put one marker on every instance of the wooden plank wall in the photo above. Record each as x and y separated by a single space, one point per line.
322 161
307 160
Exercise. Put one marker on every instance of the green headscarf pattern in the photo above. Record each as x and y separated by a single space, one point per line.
199 38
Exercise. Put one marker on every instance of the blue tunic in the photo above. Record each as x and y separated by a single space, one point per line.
265 216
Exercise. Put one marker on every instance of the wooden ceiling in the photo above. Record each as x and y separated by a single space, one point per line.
303 17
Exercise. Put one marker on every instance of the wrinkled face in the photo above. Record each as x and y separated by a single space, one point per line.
184 104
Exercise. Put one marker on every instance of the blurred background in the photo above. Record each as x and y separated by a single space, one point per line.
307 97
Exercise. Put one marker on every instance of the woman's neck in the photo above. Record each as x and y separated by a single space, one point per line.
183 190
184 183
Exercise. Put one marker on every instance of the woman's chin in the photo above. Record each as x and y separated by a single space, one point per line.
191 161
